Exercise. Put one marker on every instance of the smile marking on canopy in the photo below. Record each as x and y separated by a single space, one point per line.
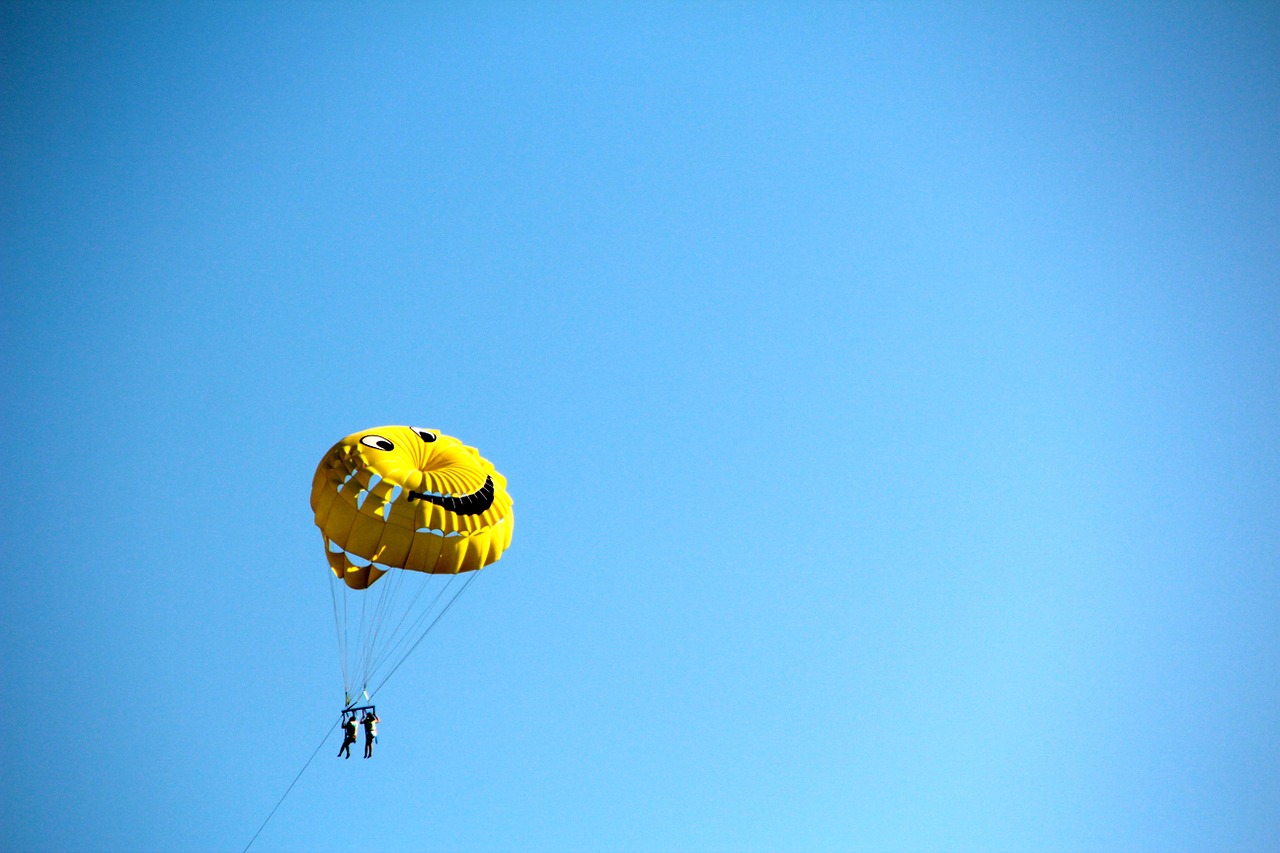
472 504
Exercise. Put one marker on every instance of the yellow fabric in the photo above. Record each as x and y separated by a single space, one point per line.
377 497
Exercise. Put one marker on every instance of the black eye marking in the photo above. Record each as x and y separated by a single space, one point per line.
424 434
378 442
472 504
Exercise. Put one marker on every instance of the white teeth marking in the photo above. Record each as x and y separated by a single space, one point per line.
360 499
374 479
395 493
346 480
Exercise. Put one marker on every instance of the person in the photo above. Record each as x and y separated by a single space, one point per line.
370 732
348 735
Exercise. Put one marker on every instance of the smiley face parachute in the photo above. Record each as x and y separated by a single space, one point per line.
404 511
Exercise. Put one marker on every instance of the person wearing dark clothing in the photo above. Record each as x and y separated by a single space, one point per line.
348 735
370 732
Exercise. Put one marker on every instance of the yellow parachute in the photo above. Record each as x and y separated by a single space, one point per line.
397 501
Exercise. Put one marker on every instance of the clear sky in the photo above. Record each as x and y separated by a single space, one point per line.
890 396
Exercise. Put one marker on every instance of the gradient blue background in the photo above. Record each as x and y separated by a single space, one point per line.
890 394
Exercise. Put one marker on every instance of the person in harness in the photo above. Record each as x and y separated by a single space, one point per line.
370 732
348 734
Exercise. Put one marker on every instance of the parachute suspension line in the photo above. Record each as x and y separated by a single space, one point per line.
404 614
439 616
399 635
346 632
360 678
362 639
388 603
360 632
290 788
338 628
386 631
387 599
402 638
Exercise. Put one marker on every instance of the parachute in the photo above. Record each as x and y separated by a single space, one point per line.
404 512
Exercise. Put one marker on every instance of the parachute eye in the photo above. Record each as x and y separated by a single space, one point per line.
424 434
377 442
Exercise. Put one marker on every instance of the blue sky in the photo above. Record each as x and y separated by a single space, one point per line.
890 395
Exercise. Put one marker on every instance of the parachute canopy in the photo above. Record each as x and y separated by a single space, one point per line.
408 498
406 505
